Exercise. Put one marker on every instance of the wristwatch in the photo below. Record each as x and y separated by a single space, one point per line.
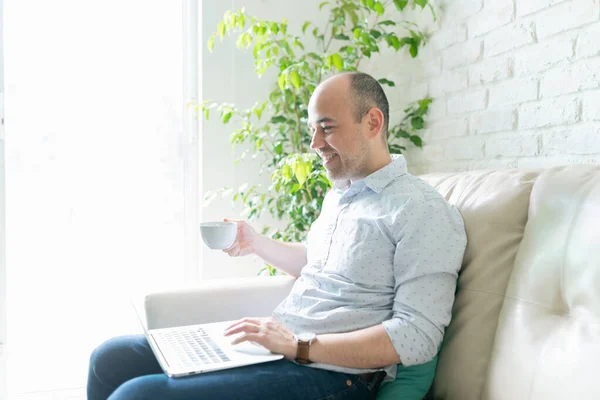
305 339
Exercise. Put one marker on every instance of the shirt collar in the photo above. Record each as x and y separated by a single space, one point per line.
379 179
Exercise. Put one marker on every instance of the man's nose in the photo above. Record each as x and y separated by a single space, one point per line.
317 141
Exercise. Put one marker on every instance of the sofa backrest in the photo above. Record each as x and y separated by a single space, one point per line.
494 207
526 320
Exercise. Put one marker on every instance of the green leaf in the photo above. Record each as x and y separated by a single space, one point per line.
281 81
297 43
357 32
421 3
414 50
299 169
375 33
275 28
306 25
400 4
279 119
227 117
221 29
279 148
417 123
323 4
340 21
424 104
287 172
387 22
379 9
296 81
371 4
384 81
416 141
211 43
341 36
393 41
338 61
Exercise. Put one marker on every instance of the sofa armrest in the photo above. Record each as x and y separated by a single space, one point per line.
216 300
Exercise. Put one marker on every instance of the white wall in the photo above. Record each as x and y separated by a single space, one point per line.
228 75
516 83
3 392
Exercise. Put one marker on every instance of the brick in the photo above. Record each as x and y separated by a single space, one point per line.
494 163
542 56
525 7
566 16
545 161
591 106
555 111
490 70
494 15
588 43
513 145
493 121
467 101
514 91
584 74
461 54
437 110
458 10
469 148
508 37
450 81
449 127
448 35
581 139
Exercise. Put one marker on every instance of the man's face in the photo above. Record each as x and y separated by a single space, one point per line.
338 140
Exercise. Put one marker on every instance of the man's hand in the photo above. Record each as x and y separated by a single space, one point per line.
244 241
268 332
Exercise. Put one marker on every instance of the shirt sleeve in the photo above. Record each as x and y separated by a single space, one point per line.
431 241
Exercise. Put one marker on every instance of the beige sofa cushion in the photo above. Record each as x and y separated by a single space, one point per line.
494 206
547 343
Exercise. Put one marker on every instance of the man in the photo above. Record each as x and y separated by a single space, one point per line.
375 284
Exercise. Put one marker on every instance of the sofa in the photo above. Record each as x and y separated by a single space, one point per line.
526 319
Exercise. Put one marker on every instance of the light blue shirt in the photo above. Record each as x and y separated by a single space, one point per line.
385 250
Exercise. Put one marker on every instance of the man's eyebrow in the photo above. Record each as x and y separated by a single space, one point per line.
324 119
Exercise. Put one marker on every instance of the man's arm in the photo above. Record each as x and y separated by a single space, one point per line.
288 257
366 348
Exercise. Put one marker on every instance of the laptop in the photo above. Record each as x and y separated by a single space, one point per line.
196 349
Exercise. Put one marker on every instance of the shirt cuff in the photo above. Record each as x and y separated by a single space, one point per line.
411 344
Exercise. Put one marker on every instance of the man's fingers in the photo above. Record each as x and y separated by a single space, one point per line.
246 337
233 220
234 250
245 328
254 321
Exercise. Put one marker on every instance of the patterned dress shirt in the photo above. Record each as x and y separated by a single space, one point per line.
385 249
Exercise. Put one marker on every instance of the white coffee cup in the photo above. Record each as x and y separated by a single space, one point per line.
218 235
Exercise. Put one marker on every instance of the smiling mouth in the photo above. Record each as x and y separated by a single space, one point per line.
327 158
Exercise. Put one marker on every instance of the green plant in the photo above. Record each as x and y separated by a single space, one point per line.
277 129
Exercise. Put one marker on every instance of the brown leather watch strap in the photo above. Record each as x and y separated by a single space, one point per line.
302 352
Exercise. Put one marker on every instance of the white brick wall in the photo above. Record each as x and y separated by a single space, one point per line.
516 83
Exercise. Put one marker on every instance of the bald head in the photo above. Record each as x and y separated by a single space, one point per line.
361 91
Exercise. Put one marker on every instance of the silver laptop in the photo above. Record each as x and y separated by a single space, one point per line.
195 349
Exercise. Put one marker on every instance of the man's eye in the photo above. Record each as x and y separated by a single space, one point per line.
327 128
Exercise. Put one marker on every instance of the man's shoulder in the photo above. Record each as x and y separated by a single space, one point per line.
408 188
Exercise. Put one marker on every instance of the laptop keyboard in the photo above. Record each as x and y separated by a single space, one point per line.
190 348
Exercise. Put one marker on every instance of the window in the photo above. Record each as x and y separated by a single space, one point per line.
101 176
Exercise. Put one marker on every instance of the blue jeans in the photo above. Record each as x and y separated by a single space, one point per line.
124 368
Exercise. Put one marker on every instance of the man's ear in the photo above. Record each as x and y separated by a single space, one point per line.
374 119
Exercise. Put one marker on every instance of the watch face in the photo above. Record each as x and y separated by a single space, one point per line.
306 336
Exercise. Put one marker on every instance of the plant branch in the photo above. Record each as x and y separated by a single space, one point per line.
298 121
